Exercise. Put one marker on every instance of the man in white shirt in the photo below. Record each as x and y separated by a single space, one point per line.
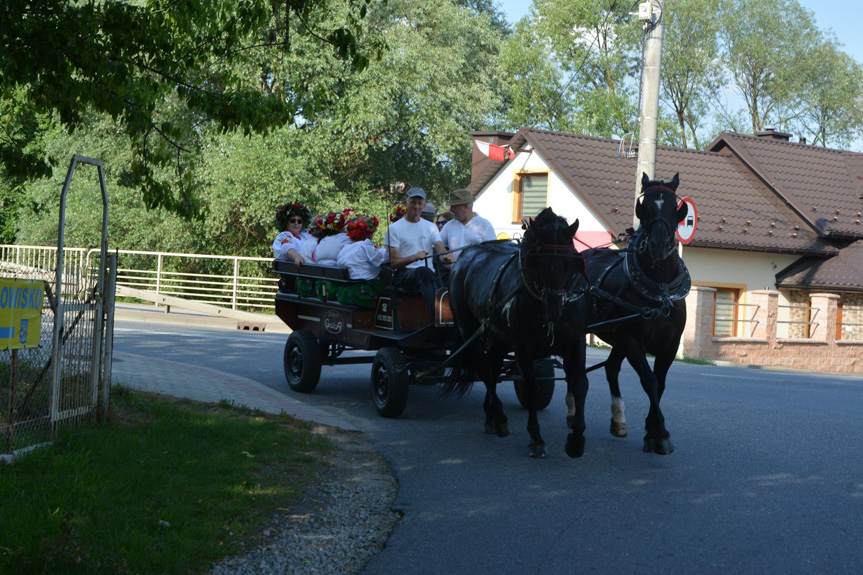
411 240
466 229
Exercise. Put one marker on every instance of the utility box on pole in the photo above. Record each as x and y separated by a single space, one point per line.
652 14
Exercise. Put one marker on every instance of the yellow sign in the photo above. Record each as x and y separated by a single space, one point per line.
20 312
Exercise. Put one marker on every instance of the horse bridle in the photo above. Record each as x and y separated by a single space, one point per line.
559 251
641 242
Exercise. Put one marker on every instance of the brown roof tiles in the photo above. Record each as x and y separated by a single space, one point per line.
736 209
843 272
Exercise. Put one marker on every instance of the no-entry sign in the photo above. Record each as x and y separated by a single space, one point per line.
686 228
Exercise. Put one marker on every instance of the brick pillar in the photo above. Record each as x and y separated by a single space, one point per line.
824 319
763 314
698 333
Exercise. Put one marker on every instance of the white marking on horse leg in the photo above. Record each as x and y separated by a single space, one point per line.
570 405
618 418
618 409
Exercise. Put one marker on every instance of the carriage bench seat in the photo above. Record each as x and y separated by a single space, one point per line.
332 273
335 274
313 271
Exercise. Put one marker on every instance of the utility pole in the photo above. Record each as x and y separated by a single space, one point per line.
651 13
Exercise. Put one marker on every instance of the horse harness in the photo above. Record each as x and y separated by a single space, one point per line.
663 294
503 306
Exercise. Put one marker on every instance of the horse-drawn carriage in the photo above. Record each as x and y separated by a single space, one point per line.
510 306
410 348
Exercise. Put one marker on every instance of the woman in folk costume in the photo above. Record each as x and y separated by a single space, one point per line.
332 238
363 261
291 219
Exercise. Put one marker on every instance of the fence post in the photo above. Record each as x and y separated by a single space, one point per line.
824 321
107 359
767 310
698 333
158 278
236 283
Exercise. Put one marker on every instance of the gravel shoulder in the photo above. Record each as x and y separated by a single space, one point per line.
341 522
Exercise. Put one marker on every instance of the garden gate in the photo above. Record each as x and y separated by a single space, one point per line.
62 374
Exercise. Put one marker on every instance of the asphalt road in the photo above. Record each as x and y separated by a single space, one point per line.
767 476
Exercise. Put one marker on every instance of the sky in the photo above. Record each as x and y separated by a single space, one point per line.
842 16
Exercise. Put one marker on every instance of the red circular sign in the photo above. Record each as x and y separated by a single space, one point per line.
686 228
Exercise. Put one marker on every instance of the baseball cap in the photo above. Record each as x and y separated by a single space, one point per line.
428 212
416 193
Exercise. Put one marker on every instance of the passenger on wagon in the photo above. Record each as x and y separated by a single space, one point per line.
465 229
468 227
291 219
411 240
332 238
363 261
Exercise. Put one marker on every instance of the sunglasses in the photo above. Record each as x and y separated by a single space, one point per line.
441 223
295 221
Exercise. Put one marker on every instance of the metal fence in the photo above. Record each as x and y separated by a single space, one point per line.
235 282
36 397
849 323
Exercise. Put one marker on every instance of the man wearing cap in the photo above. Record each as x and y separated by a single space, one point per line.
467 228
411 240
428 213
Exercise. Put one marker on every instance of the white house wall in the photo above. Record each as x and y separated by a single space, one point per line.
495 202
746 271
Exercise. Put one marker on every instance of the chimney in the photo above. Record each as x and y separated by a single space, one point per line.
770 133
479 161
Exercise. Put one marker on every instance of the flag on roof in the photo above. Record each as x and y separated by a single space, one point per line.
499 153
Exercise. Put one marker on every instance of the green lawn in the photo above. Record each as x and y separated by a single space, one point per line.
167 486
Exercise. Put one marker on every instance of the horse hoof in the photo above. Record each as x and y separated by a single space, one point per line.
618 429
659 446
489 428
574 446
569 419
502 430
537 451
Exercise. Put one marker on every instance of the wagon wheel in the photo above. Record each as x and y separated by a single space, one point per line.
544 387
302 361
390 382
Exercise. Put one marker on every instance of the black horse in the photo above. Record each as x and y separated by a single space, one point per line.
508 297
637 305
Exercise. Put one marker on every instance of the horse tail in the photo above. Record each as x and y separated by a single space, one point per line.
464 370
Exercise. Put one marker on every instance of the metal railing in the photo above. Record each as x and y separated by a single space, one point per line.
235 282
849 323
728 324
806 328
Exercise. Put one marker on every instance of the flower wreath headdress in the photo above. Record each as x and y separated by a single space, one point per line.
287 211
398 213
361 227
333 223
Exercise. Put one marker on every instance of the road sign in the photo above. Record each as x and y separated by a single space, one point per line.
686 228
20 312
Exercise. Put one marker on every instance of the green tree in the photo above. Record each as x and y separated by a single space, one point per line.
831 107
691 68
127 59
570 66
765 47
533 89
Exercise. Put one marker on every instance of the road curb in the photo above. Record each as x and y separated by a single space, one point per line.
266 323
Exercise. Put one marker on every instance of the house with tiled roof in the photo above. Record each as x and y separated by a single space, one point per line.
775 217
